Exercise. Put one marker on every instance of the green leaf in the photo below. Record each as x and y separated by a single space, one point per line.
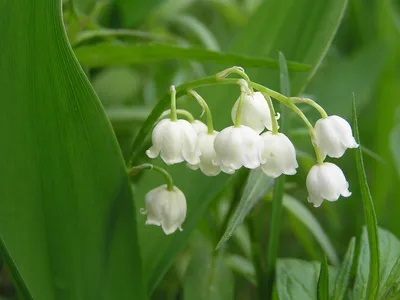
370 216
19 282
257 185
207 277
389 282
358 73
343 278
107 54
67 218
242 266
300 211
255 39
298 280
395 146
323 281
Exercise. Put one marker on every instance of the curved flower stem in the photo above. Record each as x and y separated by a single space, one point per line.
234 70
181 112
311 103
273 116
204 105
243 91
136 169
287 101
172 90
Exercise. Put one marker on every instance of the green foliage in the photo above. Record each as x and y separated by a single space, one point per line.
323 281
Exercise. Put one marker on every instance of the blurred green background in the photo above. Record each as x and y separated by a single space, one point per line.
364 59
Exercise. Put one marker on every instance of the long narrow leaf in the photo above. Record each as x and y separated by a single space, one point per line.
343 278
101 55
323 281
370 216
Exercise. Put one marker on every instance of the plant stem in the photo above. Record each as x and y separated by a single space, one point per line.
134 170
239 110
204 105
174 116
272 113
234 70
181 112
311 103
286 100
279 189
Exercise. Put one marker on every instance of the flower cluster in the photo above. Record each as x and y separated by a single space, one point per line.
252 141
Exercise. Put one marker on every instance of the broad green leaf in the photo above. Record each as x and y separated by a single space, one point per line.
298 280
389 283
255 39
323 281
67 216
358 73
343 278
370 217
108 54
257 185
300 211
207 277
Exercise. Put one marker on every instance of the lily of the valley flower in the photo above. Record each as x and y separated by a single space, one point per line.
326 181
277 155
236 147
208 155
176 141
166 208
199 126
255 112
333 135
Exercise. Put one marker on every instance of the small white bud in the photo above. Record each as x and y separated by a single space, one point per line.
333 135
208 155
236 147
176 141
277 155
166 208
199 126
326 181
255 112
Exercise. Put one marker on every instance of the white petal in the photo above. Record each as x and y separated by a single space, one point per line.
208 155
155 203
347 138
189 142
199 126
175 211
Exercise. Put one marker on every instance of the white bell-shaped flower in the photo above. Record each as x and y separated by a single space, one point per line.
166 208
255 112
236 147
277 155
333 135
208 155
176 141
199 126
326 181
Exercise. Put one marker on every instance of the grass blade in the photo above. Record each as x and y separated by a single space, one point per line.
343 278
323 281
370 216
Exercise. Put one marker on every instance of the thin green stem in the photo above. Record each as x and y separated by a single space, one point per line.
272 113
204 105
239 110
181 112
136 169
234 70
172 90
311 103
286 100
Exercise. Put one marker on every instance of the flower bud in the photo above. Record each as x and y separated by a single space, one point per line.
176 141
277 155
236 147
166 208
333 135
208 155
199 126
255 112
326 181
